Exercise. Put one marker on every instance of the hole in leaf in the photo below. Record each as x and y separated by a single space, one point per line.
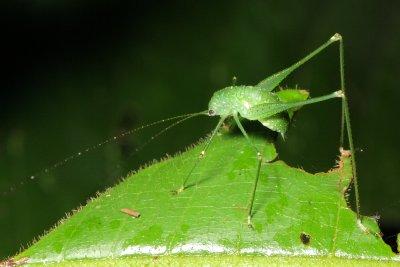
389 235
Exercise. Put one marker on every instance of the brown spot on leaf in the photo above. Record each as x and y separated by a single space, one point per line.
305 238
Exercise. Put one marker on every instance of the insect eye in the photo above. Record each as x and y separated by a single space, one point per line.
211 112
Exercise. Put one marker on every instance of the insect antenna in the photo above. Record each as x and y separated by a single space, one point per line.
149 140
88 149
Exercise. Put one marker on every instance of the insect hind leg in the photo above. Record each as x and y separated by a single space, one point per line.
346 126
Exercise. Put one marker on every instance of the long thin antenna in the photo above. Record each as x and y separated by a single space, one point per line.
153 137
94 147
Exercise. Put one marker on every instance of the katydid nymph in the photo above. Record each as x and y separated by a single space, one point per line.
262 102
273 109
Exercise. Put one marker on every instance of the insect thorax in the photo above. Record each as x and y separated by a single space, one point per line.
238 99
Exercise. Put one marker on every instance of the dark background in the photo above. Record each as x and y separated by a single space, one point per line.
77 72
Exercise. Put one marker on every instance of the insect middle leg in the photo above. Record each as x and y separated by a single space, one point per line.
259 159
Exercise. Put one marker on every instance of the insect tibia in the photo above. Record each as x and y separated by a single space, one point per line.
339 93
336 37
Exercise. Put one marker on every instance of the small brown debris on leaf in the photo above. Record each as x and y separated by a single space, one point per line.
130 212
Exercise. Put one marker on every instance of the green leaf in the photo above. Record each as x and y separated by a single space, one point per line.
295 214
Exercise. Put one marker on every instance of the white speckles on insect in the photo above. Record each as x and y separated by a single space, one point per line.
246 104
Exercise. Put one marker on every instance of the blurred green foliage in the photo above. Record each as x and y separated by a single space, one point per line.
77 73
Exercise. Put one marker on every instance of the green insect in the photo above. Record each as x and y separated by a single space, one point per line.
274 110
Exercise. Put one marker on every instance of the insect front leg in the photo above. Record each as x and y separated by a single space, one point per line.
202 155
259 159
